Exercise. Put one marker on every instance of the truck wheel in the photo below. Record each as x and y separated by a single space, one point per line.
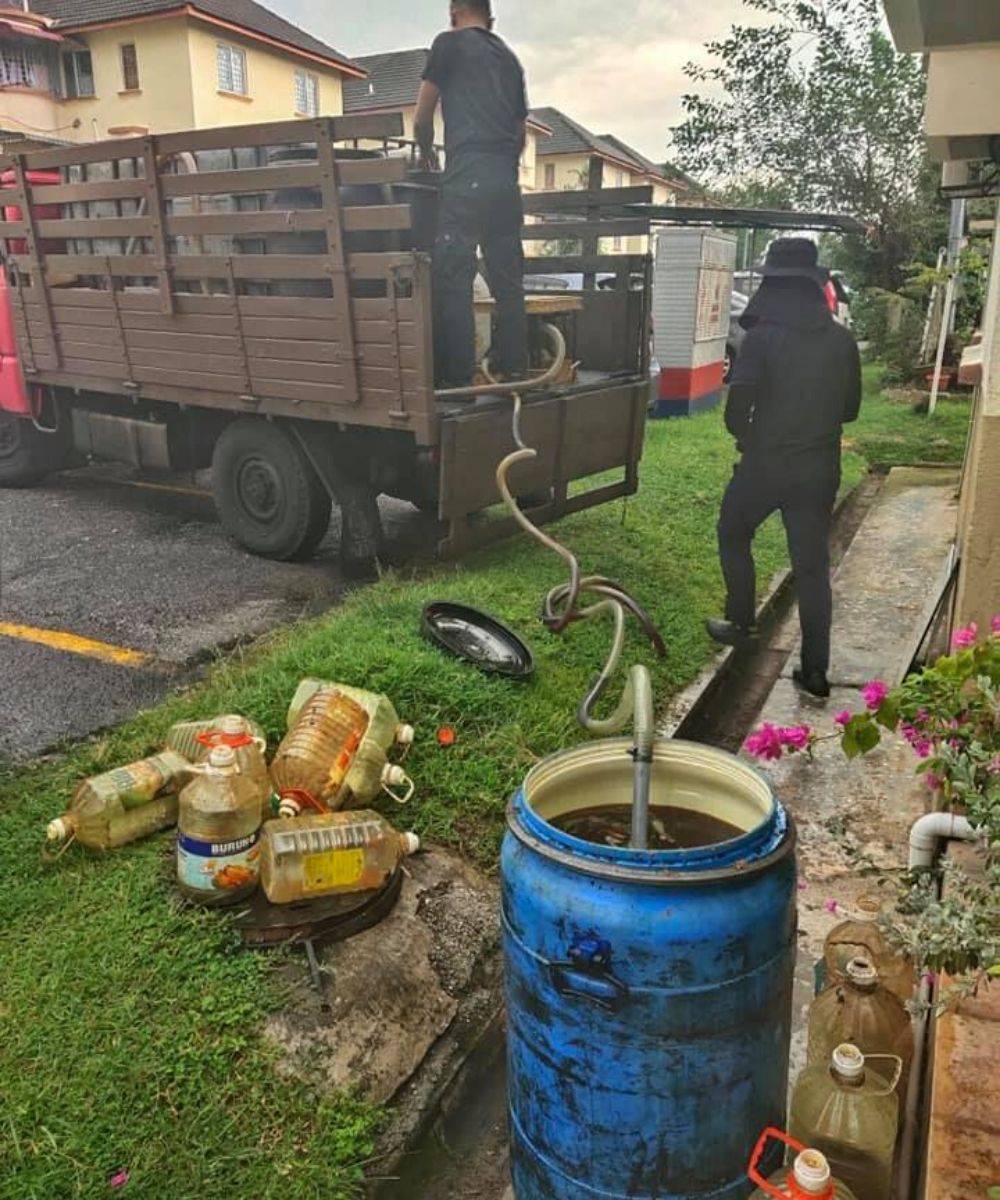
26 455
266 492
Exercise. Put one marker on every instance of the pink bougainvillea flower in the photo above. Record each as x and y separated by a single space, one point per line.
994 767
873 693
909 732
995 624
795 737
831 907
929 977
922 747
921 716
119 1179
933 781
965 637
843 718
802 885
765 742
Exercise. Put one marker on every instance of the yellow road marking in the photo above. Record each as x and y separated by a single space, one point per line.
72 643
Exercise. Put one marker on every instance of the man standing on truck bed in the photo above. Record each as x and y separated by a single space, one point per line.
481 86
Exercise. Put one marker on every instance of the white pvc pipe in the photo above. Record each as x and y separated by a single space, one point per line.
931 829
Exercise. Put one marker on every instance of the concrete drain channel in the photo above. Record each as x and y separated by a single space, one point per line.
461 1151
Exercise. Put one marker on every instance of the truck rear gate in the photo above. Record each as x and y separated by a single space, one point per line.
269 271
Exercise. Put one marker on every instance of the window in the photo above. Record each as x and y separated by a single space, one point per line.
130 68
232 64
23 65
550 176
79 72
616 245
306 94
621 179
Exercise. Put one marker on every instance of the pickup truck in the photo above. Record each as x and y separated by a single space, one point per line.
258 300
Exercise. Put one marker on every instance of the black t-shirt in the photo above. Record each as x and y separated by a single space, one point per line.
483 97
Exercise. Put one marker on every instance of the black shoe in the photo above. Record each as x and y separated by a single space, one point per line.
728 633
813 682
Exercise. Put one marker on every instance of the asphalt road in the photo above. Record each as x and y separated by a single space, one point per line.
114 591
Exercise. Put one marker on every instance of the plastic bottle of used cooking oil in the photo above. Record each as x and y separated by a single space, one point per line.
866 1014
860 936
189 737
218 832
807 1178
123 805
324 854
369 770
851 1115
315 755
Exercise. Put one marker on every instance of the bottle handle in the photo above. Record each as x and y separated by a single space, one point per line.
411 787
50 857
896 1076
753 1170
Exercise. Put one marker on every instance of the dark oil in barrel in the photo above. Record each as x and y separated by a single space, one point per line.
670 827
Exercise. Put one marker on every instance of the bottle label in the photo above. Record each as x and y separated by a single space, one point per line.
218 866
332 869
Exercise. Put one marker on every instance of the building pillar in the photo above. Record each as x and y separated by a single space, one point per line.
979 518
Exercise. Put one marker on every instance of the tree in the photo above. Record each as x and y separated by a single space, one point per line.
817 107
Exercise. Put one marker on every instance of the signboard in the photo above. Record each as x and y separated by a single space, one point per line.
715 286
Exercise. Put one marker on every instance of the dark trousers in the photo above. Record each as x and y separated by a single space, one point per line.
804 492
472 217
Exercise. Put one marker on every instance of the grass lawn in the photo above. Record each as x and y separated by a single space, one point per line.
131 1023
889 432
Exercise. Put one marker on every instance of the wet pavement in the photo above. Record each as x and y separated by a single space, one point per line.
114 590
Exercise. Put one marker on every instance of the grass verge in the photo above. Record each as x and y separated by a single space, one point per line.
132 1024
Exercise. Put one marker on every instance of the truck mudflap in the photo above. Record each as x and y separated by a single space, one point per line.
580 436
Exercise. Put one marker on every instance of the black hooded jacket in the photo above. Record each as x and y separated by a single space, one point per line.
797 380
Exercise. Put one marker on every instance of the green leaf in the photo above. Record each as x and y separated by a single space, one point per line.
849 743
868 737
888 713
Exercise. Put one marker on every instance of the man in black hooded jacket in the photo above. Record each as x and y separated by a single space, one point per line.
796 382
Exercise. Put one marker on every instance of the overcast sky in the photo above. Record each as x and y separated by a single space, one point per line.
613 65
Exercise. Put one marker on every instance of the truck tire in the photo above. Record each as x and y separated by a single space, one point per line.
266 492
27 455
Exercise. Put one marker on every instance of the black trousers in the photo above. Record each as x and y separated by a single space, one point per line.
476 216
804 492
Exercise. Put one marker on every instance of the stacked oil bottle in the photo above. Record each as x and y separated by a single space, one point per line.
212 781
846 1105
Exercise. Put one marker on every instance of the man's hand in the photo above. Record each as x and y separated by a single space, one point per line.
427 160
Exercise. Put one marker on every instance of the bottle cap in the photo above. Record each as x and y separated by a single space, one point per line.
811 1172
411 843
393 775
405 735
57 830
848 1061
862 974
222 756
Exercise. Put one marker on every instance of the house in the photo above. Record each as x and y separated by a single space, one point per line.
79 70
573 155
391 85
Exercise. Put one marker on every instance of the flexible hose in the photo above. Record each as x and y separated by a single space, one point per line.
562 607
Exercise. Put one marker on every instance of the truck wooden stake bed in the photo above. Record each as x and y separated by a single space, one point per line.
258 299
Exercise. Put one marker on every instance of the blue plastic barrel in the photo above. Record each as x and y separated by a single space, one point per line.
648 993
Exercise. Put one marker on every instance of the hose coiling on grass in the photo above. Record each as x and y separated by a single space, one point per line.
562 606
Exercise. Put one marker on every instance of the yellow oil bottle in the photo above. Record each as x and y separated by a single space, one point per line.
808 1177
218 832
242 736
860 935
326 854
123 805
866 1014
314 757
369 770
851 1115
189 737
